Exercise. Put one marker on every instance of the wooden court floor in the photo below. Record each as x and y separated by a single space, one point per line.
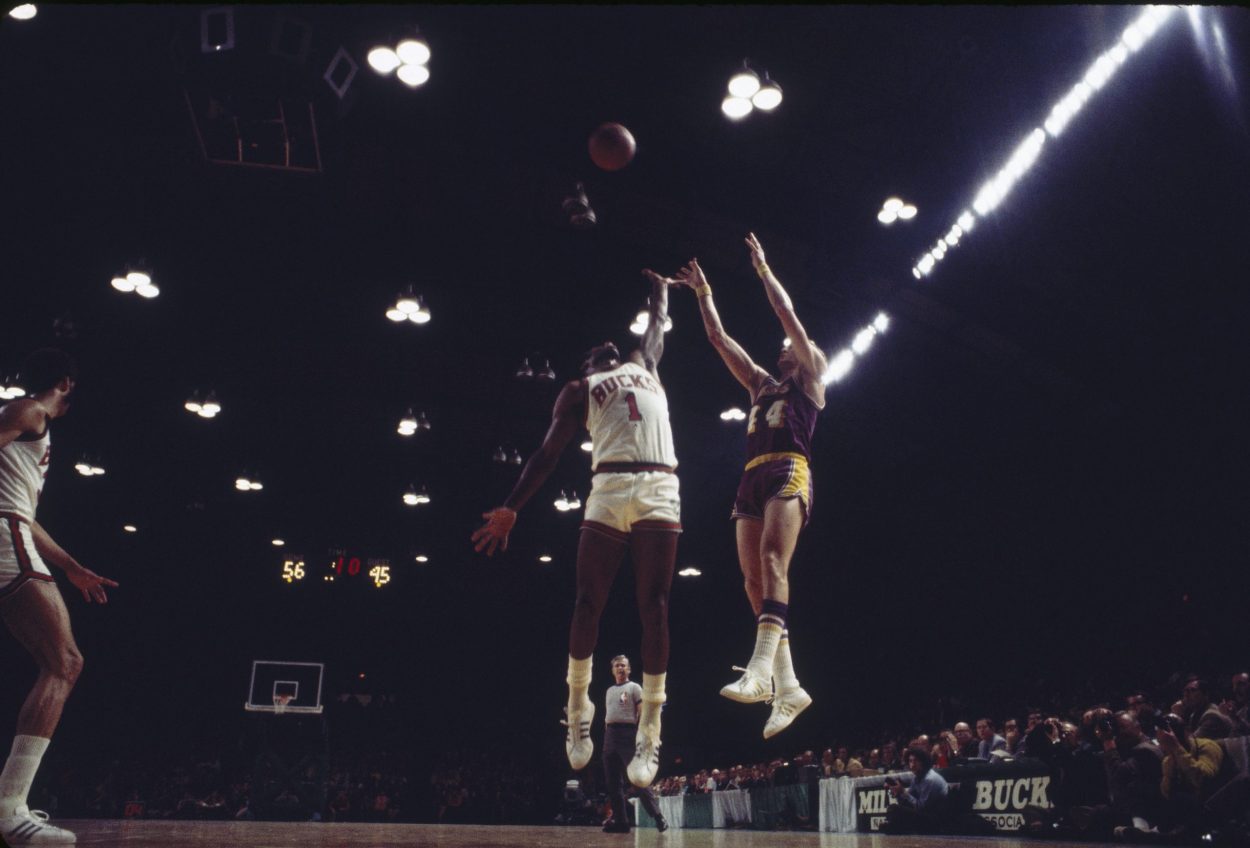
172 834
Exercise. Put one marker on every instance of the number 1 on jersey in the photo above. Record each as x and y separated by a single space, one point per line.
634 414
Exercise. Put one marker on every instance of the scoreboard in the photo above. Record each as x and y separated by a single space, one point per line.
339 565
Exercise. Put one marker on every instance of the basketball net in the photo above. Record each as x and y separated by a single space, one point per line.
280 703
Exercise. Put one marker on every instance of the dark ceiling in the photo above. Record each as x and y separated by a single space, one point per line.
1045 450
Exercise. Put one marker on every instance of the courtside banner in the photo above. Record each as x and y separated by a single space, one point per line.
998 793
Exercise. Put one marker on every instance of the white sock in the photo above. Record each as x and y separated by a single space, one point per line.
783 666
19 772
579 683
767 635
653 698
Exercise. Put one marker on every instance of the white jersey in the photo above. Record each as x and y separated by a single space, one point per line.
627 416
23 467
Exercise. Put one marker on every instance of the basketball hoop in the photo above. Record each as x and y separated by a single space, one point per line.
280 703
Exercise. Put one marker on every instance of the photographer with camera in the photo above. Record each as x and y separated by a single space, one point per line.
922 805
1134 767
1190 772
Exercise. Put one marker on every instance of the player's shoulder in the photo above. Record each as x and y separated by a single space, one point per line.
25 413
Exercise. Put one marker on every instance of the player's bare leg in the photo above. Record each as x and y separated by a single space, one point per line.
598 559
654 554
37 617
783 520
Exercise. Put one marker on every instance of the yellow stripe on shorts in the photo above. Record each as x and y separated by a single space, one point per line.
773 457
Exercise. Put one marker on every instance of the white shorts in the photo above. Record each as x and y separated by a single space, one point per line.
19 561
634 500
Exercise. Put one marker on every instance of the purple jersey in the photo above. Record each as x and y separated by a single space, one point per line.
782 420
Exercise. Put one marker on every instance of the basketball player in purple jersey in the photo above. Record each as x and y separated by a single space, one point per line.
633 505
30 603
774 499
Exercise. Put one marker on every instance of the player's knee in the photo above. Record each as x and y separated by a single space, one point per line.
654 606
587 604
774 566
67 665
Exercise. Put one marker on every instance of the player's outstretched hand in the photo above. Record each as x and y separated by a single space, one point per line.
691 275
494 533
653 277
757 251
91 584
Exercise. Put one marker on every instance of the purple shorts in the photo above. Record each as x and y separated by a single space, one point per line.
784 477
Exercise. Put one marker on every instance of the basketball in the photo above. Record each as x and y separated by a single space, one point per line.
611 147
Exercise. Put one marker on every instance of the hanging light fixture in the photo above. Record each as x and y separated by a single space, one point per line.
575 502
562 502
546 374
499 455
408 424
768 96
409 307
516 457
577 207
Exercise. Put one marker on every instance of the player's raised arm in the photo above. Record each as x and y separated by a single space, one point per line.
741 365
566 418
809 356
652 346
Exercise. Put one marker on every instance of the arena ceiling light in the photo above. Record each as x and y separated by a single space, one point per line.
545 558
733 414
88 467
643 318
895 209
409 307
10 390
747 92
588 446
545 374
410 424
130 528
421 558
416 497
409 60
136 279
841 363
245 483
24 12
991 195
278 543
689 571
208 407
568 503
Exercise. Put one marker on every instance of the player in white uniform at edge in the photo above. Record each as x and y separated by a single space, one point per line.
30 603
633 504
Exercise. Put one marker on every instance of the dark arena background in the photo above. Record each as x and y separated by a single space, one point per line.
1030 477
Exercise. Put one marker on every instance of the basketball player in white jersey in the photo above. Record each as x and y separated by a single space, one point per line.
633 504
30 602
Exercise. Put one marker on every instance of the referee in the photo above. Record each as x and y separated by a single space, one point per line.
624 704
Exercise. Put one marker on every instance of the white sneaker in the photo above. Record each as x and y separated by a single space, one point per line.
30 827
787 705
577 744
750 688
646 762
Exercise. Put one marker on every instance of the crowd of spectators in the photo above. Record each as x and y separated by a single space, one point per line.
1140 771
